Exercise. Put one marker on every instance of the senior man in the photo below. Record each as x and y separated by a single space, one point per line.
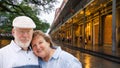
18 53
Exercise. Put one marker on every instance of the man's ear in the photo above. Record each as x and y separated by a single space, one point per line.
13 31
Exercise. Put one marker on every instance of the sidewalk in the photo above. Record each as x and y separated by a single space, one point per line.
99 51
105 50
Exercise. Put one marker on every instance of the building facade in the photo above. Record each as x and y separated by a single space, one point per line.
88 22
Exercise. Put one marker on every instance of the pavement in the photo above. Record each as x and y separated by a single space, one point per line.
105 50
94 57
99 51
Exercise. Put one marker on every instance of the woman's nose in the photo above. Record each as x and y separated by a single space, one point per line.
38 47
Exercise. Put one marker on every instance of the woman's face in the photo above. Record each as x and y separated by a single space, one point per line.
40 46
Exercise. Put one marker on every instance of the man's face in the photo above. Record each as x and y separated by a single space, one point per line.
22 36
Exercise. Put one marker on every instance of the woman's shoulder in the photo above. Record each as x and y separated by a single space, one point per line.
69 60
67 56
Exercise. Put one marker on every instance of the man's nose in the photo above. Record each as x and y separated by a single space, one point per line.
25 34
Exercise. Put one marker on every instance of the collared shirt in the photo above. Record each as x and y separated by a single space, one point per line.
61 59
12 56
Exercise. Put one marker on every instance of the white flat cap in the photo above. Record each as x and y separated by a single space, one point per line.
23 22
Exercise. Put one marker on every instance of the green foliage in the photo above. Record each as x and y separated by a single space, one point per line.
44 26
9 9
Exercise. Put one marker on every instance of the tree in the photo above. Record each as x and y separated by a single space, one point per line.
9 9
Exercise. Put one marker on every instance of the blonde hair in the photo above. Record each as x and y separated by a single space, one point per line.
46 37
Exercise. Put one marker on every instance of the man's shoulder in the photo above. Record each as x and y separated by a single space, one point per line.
4 49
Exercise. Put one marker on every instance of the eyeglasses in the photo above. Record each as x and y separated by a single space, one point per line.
24 31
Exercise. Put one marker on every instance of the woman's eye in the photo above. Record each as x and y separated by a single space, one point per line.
33 46
40 42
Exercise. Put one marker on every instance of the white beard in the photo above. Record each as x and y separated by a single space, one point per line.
23 45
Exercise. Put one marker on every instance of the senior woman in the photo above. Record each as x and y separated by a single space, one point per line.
51 56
